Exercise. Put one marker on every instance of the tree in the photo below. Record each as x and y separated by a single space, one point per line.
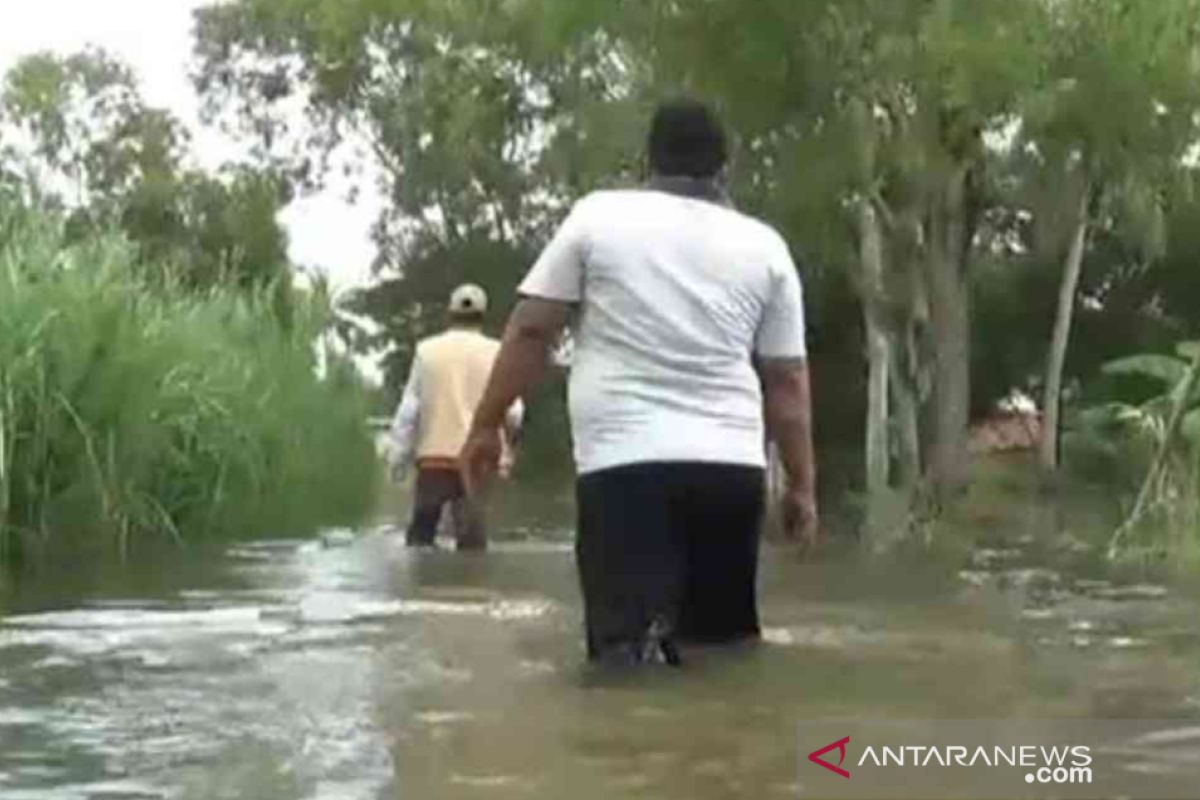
1100 168
81 139
211 229
894 99
80 132
900 145
470 121
486 119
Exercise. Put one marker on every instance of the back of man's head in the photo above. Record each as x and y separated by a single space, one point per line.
686 140
467 306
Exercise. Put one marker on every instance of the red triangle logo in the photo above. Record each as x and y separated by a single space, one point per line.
840 746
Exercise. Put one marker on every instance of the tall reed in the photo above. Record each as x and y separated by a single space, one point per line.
130 408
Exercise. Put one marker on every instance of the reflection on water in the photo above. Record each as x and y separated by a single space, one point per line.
352 668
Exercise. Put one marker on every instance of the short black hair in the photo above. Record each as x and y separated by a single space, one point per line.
686 139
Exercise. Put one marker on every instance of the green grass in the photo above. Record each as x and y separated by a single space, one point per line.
130 408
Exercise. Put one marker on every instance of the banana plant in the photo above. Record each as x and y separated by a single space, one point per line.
1171 418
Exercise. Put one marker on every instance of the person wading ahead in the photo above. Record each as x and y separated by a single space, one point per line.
689 352
445 383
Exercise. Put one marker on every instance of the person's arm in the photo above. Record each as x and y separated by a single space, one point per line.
405 424
787 407
552 287
530 335
780 355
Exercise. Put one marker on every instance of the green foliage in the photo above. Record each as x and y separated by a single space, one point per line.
1136 57
974 128
1136 411
1161 435
85 128
1170 371
84 141
413 305
481 125
134 409
206 231
1013 301
1171 375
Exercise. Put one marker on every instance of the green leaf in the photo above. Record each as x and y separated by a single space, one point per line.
1188 350
1168 369
1190 429
1110 415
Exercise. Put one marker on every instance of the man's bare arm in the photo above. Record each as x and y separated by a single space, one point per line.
531 333
788 411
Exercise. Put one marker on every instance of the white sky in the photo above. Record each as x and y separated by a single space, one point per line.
154 38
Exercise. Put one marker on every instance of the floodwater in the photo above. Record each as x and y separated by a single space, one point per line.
350 667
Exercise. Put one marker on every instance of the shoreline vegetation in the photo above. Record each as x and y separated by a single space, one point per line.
971 221
132 408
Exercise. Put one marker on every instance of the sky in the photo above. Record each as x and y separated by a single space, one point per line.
154 37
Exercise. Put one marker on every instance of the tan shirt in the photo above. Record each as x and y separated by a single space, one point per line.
445 384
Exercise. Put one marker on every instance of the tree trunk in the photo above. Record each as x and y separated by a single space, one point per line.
1060 338
905 411
949 315
878 351
911 382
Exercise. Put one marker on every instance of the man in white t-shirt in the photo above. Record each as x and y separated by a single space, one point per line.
689 353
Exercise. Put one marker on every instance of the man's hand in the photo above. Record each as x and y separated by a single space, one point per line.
788 412
507 462
534 325
800 520
479 459
398 471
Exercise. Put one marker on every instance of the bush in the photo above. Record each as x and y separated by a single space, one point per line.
1158 434
135 410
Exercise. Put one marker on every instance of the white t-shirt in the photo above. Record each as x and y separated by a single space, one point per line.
675 296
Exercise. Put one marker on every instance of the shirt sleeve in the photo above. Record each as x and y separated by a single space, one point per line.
781 331
558 272
403 433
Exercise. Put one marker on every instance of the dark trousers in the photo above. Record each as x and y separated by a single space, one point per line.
438 487
668 553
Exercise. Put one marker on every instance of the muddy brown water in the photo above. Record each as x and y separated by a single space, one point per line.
350 667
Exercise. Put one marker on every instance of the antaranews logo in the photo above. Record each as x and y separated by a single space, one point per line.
840 745
1042 764
997 759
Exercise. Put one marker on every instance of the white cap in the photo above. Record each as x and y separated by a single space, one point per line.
468 299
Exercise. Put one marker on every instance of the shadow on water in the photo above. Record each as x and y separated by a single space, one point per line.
353 668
